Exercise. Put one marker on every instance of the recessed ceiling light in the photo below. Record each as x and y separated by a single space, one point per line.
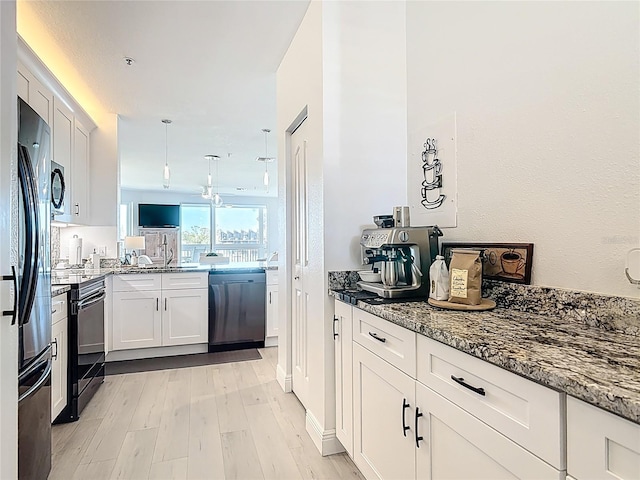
129 61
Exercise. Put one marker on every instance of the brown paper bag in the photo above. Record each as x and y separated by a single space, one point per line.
465 272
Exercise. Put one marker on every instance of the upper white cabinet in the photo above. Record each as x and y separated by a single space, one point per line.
601 445
63 145
70 130
80 174
34 93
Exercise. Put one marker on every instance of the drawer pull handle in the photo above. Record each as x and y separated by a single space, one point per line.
460 380
335 334
375 335
405 427
54 356
418 437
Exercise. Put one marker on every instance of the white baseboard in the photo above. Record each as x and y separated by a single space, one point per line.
325 440
154 352
284 380
271 342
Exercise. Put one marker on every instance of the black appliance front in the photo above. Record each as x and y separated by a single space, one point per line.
34 419
86 347
237 310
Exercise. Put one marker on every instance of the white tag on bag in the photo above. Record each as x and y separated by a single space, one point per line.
439 279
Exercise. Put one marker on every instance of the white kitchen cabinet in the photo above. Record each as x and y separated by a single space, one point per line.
528 413
63 150
601 445
185 316
451 443
153 310
59 354
383 441
343 355
35 94
271 333
80 174
137 319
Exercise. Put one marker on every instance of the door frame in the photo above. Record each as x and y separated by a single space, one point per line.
285 274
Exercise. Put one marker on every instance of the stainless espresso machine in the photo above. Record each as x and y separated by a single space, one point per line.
403 256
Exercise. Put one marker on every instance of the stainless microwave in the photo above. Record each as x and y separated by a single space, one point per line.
58 189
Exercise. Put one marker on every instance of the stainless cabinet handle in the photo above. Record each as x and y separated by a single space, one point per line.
157 304
335 334
380 339
269 298
77 209
13 278
296 277
165 304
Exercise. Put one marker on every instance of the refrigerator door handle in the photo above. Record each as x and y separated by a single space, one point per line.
36 386
14 278
29 277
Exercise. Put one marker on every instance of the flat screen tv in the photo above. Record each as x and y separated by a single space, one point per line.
158 216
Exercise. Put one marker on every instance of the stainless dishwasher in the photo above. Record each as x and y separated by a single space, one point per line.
237 309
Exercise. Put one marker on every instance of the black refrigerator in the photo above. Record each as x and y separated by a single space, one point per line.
34 295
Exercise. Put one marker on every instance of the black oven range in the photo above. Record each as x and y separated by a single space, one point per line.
86 344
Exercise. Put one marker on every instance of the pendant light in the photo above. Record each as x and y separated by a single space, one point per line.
266 159
215 198
166 173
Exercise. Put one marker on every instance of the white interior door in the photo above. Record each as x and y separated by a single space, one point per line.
300 297
8 239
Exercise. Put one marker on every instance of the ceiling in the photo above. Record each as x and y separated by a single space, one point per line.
209 66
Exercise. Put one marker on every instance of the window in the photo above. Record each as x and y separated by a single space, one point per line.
195 231
240 232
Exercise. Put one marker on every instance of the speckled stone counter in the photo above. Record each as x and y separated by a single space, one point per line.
59 289
595 365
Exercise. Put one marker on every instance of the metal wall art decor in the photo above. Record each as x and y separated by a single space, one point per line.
506 262
432 174
432 177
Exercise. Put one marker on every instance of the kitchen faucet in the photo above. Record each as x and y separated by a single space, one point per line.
166 260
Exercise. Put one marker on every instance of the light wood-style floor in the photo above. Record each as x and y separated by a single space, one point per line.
230 421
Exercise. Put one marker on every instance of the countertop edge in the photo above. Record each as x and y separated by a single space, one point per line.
547 374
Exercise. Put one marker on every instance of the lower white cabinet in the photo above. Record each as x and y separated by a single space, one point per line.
147 316
137 319
451 443
343 356
185 316
383 440
405 429
59 360
271 333
601 445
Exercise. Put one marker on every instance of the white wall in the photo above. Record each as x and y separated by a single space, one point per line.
92 237
346 64
365 122
548 117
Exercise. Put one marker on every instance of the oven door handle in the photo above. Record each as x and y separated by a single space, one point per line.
91 301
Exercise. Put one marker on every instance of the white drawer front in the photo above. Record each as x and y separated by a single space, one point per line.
137 282
394 343
272 277
528 413
180 280
58 308
601 444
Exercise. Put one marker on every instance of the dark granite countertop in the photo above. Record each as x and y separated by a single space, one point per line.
59 289
595 365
